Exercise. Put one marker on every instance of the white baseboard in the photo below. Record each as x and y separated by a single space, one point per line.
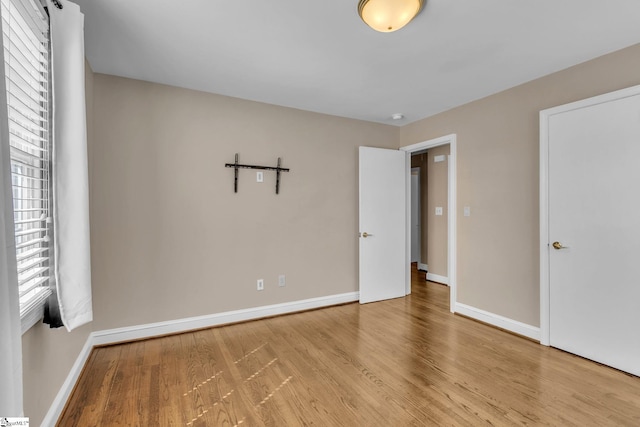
437 278
511 325
423 267
56 408
112 336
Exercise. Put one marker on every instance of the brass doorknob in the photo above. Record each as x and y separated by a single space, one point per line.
365 235
557 246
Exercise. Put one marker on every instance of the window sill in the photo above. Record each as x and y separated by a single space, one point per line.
34 313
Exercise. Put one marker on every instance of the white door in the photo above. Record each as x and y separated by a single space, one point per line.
382 224
594 216
415 215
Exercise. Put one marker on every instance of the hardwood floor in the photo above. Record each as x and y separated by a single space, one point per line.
403 362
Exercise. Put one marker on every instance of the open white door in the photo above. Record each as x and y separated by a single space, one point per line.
382 224
593 242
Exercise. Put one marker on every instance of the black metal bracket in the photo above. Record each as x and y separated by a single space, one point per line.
57 4
237 166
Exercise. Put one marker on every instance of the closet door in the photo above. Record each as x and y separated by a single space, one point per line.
594 228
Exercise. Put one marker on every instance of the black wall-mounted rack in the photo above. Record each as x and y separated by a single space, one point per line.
237 166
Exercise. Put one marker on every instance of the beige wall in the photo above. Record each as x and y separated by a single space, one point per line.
498 177
437 225
172 240
47 358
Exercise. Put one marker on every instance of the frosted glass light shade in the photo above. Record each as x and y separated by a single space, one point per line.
388 15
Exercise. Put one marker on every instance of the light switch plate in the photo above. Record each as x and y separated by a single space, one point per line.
467 211
438 210
259 176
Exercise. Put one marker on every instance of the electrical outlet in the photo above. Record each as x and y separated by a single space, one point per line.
259 176
260 285
281 280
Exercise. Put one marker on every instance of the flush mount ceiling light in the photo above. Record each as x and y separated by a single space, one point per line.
388 15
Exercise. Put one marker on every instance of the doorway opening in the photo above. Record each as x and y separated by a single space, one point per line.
429 212
440 214
417 211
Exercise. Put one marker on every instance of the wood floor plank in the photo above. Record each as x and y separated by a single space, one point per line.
88 396
401 362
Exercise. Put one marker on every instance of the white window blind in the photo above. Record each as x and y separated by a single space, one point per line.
25 29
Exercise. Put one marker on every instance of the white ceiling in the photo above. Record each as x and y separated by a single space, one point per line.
319 56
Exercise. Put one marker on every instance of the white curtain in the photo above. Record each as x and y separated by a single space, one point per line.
10 331
70 166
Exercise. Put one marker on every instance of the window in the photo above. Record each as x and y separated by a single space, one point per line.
25 28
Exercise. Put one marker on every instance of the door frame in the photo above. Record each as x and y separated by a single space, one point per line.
451 212
545 115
